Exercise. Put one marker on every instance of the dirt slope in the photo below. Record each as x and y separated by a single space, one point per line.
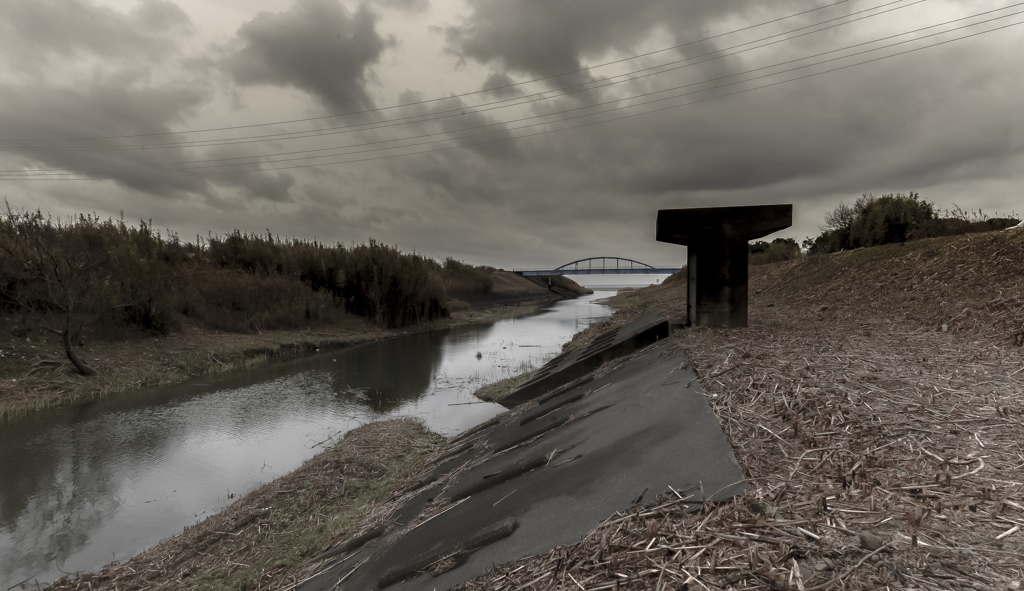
883 452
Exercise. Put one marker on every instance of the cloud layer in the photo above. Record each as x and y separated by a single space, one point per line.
450 177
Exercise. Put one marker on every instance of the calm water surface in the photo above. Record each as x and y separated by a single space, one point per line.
82 486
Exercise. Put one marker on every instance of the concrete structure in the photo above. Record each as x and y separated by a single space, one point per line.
716 245
546 474
577 363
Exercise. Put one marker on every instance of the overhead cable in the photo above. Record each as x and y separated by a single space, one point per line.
9 175
467 109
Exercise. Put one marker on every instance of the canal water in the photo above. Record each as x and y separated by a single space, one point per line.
83 486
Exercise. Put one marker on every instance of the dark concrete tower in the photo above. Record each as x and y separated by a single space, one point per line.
716 244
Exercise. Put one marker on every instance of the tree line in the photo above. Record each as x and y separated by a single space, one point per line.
65 277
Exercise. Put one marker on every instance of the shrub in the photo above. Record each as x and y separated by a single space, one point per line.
780 249
889 219
461 279
872 221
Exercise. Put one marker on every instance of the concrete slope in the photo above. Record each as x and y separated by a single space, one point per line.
574 364
537 479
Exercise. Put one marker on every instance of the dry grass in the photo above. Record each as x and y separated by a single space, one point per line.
882 452
502 388
265 539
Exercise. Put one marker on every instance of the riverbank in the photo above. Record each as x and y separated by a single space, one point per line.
874 406
239 431
35 375
882 449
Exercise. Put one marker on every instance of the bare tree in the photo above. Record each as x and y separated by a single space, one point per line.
54 275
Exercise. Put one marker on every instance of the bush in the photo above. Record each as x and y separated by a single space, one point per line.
872 221
889 219
780 249
461 279
390 288
680 275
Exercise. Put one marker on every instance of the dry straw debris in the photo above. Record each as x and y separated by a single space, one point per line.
883 451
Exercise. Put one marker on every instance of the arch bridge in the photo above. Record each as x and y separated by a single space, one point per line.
607 266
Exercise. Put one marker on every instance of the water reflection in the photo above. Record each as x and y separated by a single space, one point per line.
82 486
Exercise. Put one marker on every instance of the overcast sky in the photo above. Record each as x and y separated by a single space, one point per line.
603 150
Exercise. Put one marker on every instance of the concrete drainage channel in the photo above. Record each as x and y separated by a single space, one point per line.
575 450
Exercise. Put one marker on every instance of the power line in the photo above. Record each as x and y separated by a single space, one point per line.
541 79
580 116
8 174
459 111
621 117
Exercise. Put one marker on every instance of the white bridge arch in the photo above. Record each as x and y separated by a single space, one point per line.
607 266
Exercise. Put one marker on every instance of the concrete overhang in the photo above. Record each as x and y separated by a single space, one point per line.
716 256
691 226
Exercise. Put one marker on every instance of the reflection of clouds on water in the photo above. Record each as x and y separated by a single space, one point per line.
385 374
99 482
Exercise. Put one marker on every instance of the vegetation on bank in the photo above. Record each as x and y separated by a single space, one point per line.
87 278
266 538
780 249
895 218
819 355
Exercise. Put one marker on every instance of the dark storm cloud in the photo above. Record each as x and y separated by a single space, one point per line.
106 106
317 46
548 38
808 129
502 86
935 119
944 122
273 186
87 71
41 30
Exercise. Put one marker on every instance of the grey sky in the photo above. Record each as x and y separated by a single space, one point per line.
943 121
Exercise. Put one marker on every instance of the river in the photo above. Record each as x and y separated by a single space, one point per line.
86 485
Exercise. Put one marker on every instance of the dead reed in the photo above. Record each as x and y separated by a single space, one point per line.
882 451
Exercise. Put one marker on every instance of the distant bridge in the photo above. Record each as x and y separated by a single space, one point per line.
607 266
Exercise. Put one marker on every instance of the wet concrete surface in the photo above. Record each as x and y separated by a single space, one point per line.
574 364
607 444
